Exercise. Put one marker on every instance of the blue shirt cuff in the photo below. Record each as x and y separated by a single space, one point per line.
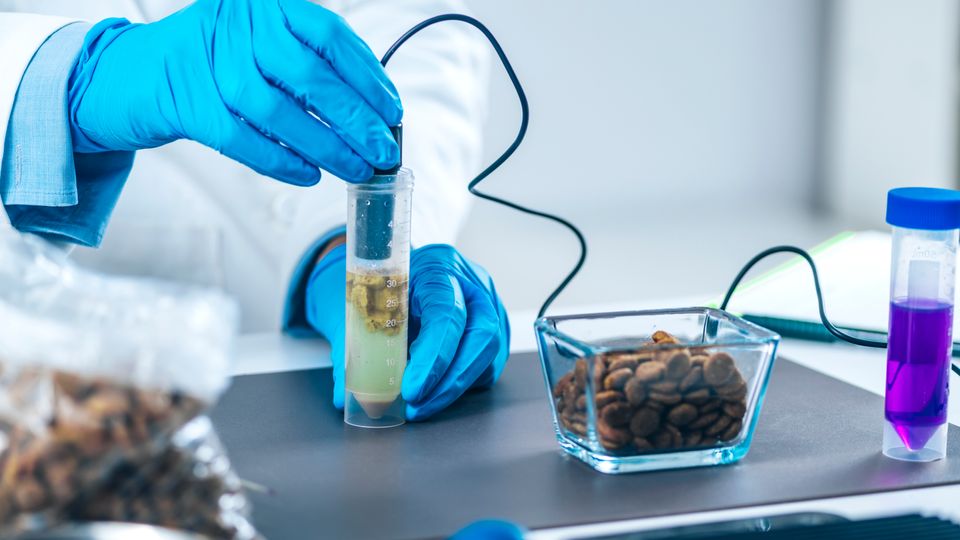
45 187
294 321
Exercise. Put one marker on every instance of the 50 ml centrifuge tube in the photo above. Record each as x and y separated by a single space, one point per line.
378 267
925 235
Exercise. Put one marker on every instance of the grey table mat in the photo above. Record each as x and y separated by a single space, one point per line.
494 455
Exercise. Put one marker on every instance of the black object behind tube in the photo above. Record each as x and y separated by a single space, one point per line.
374 214
373 227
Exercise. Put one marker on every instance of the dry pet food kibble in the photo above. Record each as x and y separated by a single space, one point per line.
104 453
164 490
677 398
379 299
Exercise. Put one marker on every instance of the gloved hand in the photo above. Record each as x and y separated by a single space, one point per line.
458 330
490 529
239 76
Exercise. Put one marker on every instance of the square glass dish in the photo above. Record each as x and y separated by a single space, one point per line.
662 389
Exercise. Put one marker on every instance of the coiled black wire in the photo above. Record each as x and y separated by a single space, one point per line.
839 334
521 132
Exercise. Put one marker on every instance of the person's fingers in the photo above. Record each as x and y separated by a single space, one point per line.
436 302
291 66
235 139
478 349
332 38
483 280
276 115
492 373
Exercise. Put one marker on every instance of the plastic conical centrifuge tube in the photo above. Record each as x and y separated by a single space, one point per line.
378 267
925 234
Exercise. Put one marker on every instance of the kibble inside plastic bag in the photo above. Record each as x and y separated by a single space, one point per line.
103 384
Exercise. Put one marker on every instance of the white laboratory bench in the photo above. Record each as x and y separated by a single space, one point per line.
865 368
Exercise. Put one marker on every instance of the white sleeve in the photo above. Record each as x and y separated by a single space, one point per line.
21 35
442 76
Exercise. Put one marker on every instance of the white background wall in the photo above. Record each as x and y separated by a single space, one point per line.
686 98
891 119
680 135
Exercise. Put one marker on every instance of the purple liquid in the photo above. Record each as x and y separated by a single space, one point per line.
918 368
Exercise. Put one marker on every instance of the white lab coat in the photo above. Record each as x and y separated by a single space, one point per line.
189 214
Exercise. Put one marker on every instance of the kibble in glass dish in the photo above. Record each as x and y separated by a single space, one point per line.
650 390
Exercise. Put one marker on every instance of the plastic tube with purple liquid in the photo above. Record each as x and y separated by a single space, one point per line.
923 273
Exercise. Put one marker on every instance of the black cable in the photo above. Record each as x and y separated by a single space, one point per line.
524 122
839 334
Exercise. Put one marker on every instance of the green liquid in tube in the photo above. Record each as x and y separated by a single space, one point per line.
376 337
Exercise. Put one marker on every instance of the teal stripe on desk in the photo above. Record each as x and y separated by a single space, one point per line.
812 331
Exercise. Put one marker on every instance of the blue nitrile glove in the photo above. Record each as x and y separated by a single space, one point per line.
489 529
239 77
459 332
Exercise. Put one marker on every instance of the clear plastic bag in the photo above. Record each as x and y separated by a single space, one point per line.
103 383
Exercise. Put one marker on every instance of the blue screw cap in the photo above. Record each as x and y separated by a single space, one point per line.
929 209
